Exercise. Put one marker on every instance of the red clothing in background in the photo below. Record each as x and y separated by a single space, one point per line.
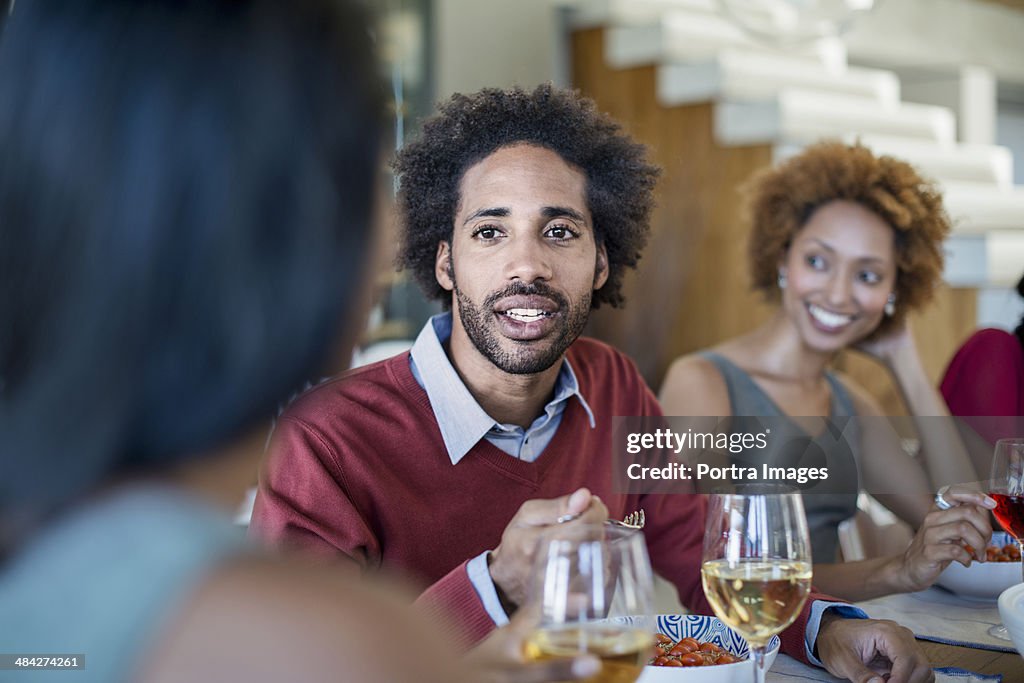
358 468
986 377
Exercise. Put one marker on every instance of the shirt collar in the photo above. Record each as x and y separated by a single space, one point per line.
460 418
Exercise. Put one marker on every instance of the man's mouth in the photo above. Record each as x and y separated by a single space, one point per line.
527 315
526 307
829 319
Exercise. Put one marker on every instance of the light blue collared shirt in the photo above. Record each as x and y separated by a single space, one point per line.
463 423
461 419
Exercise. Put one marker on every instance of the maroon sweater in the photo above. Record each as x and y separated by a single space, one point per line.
358 468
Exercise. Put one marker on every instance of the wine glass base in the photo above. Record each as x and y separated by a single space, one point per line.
999 632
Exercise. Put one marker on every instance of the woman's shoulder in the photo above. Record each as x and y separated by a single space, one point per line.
338 628
990 340
694 385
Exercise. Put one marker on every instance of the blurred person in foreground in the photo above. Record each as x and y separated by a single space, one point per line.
521 212
847 244
186 200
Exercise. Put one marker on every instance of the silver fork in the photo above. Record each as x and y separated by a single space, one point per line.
634 520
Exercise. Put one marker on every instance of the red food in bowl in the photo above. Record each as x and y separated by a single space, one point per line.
689 652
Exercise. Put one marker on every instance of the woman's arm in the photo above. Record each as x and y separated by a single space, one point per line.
887 472
938 542
943 454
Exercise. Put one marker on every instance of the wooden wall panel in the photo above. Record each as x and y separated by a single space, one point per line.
691 289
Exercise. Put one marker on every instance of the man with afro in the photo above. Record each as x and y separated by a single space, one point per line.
521 212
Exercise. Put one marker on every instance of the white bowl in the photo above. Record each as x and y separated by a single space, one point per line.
1011 611
704 629
982 580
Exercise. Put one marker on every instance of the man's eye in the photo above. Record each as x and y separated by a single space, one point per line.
486 233
561 232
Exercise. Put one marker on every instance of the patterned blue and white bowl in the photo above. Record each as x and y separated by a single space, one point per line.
705 629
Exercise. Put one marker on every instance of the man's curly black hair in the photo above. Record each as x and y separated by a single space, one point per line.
469 128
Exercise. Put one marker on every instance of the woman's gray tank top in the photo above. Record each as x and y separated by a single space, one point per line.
837 447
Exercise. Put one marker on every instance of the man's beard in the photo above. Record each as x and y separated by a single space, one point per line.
526 357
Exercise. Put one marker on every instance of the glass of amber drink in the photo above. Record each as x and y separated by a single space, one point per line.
592 592
756 568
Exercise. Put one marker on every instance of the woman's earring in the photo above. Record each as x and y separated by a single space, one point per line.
782 279
890 305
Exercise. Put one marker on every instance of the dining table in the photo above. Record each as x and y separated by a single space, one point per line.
951 630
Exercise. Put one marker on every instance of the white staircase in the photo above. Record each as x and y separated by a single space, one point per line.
744 75
789 97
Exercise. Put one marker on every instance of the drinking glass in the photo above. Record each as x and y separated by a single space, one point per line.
756 567
592 589
1006 487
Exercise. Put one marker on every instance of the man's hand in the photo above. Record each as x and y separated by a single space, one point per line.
864 650
512 561
500 658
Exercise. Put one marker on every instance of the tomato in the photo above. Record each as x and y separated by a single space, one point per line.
710 647
660 661
691 659
726 658
662 639
684 647
691 643
673 662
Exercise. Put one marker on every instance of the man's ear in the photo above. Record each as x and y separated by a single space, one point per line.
443 266
601 269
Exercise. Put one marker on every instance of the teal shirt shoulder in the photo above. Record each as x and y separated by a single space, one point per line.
104 579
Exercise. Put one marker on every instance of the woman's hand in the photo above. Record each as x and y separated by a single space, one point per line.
891 348
942 537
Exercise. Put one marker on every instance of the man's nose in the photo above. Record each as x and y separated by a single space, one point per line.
528 259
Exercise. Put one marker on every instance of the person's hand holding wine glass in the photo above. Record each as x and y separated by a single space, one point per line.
1006 487
757 563
592 593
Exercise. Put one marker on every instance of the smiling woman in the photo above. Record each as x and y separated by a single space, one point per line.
846 243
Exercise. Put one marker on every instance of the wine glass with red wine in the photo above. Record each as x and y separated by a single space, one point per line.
1006 487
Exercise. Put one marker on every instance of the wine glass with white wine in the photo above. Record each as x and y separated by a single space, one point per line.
592 588
756 566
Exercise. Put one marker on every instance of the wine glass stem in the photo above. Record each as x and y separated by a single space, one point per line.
757 659
1020 544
